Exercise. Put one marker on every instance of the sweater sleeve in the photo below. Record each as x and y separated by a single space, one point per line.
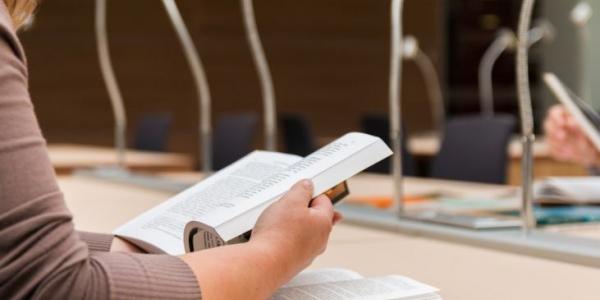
41 254
96 241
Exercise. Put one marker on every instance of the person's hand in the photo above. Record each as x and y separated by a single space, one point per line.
296 229
567 141
287 237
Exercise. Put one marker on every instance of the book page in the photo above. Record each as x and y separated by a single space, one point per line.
322 276
163 225
380 288
327 167
576 189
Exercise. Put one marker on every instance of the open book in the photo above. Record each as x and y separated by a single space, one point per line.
224 208
562 190
342 284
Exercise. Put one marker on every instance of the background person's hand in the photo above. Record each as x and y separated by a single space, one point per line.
566 139
294 231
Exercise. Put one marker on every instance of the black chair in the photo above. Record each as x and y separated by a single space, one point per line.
475 149
379 126
297 134
233 138
152 132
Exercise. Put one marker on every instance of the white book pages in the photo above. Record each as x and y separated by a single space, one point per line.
309 277
569 189
162 227
379 288
327 167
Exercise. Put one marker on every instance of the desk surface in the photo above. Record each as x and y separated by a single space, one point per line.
429 145
67 157
461 272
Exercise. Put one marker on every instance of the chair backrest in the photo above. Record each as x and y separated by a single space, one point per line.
233 138
298 137
475 149
379 126
152 132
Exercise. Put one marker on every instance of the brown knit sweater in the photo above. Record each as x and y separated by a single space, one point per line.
41 254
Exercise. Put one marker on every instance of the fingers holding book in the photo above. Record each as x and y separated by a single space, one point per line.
296 230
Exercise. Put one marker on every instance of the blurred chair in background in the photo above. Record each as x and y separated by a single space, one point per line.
298 136
475 149
152 132
379 126
233 138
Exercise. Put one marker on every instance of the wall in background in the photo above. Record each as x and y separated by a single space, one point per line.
472 27
329 61
594 59
563 55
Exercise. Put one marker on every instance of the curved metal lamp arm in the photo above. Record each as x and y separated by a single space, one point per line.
434 88
541 31
504 41
200 81
266 81
412 51
525 107
108 74
395 94
581 15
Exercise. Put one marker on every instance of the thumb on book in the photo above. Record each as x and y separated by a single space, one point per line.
301 192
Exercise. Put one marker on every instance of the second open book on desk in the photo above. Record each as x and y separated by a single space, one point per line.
333 283
225 206
568 190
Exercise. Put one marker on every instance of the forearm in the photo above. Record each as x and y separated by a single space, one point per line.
244 271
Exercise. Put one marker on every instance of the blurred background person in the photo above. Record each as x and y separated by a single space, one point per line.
566 140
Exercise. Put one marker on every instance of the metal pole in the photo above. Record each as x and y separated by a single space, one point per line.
525 108
264 74
434 88
201 83
581 15
395 94
108 74
504 41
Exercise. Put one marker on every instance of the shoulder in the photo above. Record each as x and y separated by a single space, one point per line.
8 34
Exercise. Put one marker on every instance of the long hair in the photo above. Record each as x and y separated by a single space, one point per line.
20 10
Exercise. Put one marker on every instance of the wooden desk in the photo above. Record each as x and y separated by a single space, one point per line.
67 157
461 272
428 145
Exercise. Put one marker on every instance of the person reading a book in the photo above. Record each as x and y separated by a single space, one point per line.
43 257
567 141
